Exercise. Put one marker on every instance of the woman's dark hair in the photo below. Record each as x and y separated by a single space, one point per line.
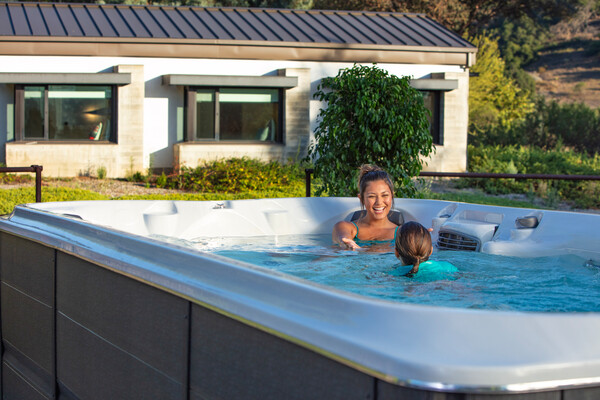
371 173
413 244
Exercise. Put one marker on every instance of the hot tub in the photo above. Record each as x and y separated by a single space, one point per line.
97 302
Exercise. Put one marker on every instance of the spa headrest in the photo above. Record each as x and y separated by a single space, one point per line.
394 216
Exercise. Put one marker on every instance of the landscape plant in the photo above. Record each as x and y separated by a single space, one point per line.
534 160
101 172
548 126
233 175
370 117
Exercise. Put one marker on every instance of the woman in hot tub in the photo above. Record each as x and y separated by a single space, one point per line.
376 195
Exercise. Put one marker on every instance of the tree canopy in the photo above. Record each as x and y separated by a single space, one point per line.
494 98
372 117
462 16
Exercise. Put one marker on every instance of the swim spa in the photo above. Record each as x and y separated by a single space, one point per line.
98 302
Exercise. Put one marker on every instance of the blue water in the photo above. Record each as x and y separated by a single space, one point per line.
546 284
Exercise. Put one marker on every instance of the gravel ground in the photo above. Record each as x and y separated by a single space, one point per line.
108 187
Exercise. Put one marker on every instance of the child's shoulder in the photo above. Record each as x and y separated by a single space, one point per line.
431 270
438 266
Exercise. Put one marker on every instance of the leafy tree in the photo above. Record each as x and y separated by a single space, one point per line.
494 98
354 5
462 16
371 117
519 42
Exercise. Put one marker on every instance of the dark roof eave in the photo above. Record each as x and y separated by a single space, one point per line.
221 49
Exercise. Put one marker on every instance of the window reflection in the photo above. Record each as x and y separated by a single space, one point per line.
74 112
34 112
245 114
248 114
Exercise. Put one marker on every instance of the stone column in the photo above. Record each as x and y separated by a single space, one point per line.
130 114
454 108
297 114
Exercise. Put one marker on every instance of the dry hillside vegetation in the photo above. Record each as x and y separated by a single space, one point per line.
569 70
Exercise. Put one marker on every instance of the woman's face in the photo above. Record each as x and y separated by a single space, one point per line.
377 199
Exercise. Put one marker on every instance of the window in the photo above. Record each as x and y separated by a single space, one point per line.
234 114
432 99
64 112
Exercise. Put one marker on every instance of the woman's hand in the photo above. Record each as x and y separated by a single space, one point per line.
342 234
349 244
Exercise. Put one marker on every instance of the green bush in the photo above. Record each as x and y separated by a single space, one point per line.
235 175
101 172
15 178
550 126
371 117
532 160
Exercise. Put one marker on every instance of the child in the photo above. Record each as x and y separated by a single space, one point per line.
413 247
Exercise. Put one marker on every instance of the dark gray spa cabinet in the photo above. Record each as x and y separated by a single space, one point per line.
78 324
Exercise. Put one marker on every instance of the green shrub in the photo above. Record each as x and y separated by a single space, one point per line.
138 177
161 181
550 126
532 160
101 172
371 117
235 175
15 178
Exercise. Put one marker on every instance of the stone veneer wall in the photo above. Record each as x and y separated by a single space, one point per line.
130 155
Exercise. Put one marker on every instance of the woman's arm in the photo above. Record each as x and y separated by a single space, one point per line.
343 234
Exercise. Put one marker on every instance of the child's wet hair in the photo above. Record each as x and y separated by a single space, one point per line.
371 173
413 244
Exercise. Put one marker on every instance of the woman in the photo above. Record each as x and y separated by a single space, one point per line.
376 195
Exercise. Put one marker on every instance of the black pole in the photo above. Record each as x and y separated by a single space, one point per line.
38 182
307 173
38 177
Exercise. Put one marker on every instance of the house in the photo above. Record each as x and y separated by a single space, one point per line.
131 87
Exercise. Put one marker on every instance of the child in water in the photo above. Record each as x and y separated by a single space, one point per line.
413 247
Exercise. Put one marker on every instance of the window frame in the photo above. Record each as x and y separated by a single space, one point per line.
436 128
19 117
191 120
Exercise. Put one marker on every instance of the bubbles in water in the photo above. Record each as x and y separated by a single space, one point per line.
592 264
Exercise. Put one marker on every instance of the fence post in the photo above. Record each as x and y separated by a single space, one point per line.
38 182
307 174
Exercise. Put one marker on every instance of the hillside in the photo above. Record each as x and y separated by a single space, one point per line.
568 70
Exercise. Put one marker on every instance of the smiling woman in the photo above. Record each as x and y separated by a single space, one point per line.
376 195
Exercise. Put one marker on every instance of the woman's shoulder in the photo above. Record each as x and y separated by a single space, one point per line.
344 224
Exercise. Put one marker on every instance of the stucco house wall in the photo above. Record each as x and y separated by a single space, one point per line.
151 116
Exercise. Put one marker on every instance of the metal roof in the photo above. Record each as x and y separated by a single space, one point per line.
224 24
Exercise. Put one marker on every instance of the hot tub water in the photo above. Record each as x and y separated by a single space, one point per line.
566 283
